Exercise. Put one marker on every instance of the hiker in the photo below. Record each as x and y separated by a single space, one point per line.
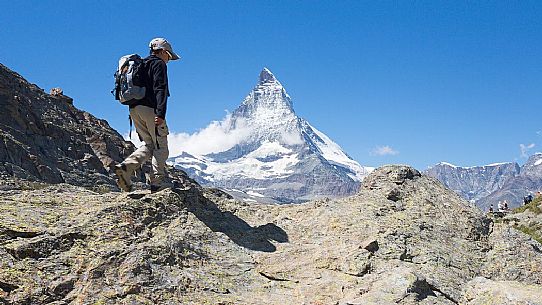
527 199
149 117
505 204
491 209
500 206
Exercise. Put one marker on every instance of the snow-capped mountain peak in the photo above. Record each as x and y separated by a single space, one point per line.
447 164
268 94
280 154
266 76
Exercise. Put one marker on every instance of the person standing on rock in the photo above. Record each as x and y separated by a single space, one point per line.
500 206
149 118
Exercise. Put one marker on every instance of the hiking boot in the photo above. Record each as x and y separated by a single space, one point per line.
164 185
123 178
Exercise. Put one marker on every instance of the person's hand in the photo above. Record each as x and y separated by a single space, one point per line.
158 121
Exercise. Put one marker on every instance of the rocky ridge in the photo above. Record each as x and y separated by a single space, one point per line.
403 239
45 138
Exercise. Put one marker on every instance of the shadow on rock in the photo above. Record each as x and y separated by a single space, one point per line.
239 231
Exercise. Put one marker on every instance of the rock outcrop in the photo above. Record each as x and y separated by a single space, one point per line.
45 138
482 291
404 239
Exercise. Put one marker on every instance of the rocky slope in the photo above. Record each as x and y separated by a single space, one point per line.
45 138
527 219
404 239
275 156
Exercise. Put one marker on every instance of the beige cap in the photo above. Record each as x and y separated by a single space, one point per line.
162 43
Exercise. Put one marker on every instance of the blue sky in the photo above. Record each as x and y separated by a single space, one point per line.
456 81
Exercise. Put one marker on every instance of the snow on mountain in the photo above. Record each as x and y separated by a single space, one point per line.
528 180
270 160
333 153
273 152
475 182
470 167
489 184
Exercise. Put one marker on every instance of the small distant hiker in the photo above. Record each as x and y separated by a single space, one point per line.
527 199
149 117
500 207
491 208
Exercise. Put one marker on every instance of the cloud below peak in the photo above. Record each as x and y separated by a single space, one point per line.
218 136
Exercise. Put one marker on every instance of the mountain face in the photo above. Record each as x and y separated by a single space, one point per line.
403 239
474 183
529 180
45 138
278 157
486 185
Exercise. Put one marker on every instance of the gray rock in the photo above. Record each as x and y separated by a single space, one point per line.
481 291
69 245
45 138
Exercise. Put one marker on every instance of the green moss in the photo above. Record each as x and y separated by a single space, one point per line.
533 206
101 189
32 185
531 231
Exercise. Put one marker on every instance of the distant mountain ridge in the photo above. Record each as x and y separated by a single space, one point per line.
280 156
529 180
486 185
474 183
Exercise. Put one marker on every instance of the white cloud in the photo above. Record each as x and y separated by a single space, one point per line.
525 148
384 151
291 138
216 137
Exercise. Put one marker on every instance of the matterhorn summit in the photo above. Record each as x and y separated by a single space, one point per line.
272 155
268 112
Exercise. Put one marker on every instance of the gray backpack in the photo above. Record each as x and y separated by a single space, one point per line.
130 79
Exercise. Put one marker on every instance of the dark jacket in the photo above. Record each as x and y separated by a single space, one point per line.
157 89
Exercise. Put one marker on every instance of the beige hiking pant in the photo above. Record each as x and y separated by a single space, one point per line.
155 144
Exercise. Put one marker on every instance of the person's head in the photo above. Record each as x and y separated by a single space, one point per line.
161 48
